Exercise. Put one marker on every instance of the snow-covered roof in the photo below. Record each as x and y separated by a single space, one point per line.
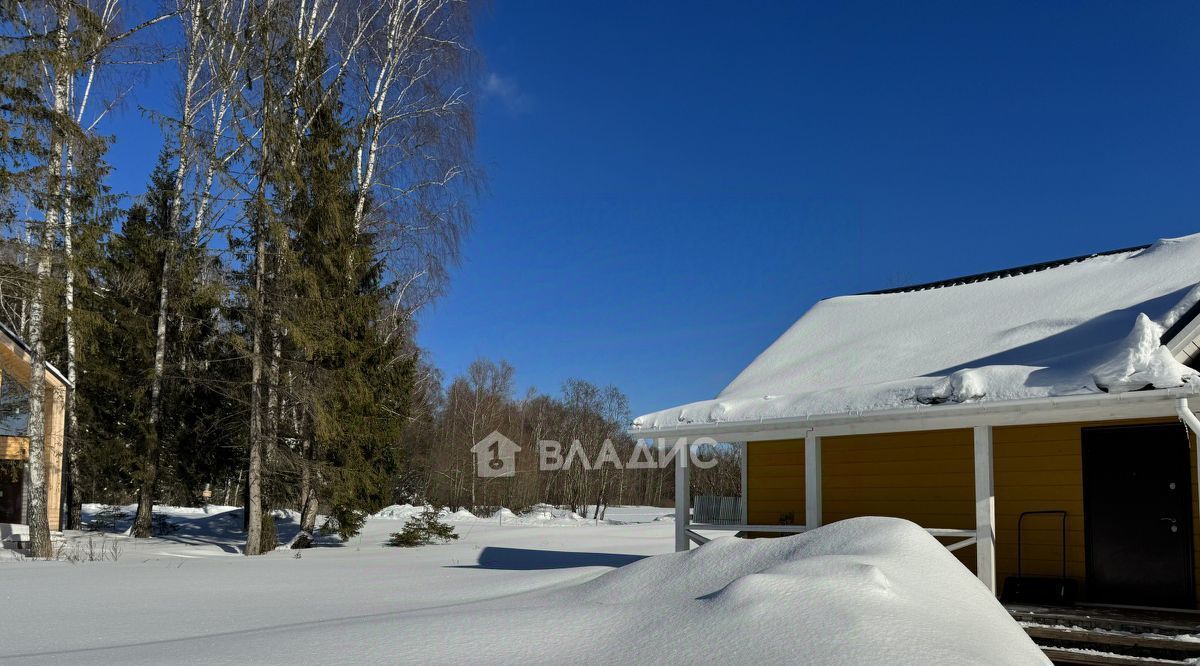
1086 325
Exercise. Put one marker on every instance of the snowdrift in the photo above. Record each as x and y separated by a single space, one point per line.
538 514
861 591
406 511
1084 327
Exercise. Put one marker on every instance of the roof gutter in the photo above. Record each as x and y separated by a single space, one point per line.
1187 415
1060 409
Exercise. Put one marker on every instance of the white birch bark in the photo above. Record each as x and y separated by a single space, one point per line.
191 15
38 519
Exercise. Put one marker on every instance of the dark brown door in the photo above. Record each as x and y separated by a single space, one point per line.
1137 487
10 499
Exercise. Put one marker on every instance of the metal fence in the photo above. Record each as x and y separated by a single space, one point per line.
715 510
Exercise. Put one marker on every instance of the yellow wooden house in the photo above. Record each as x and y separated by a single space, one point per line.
16 364
1047 408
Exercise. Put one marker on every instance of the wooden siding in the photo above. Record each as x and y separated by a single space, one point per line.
13 448
53 448
1041 468
1189 352
17 363
928 478
775 482
17 448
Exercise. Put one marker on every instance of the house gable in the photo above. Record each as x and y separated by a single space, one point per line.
1183 338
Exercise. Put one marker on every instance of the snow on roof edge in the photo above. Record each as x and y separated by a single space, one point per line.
1137 361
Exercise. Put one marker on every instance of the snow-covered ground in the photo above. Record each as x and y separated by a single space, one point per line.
525 590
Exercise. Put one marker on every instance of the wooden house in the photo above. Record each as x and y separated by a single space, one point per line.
1047 407
16 364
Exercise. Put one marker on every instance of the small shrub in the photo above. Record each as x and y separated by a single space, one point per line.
423 529
108 517
344 521
88 551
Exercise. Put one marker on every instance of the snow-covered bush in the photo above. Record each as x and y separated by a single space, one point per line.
345 522
423 529
108 517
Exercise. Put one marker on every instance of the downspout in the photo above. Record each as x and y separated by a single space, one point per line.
1187 416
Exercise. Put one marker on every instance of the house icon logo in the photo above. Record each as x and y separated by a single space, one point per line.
495 456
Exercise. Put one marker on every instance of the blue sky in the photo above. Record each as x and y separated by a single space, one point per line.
670 185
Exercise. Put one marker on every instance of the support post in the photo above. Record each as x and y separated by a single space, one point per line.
812 480
682 495
745 478
985 509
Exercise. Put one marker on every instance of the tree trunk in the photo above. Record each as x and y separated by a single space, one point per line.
269 537
71 439
308 509
254 504
39 524
308 487
143 521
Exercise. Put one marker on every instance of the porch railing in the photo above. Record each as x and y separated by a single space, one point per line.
966 537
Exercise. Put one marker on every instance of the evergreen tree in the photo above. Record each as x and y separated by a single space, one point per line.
114 398
351 373
190 448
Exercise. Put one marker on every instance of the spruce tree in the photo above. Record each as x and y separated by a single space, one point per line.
114 399
190 446
351 371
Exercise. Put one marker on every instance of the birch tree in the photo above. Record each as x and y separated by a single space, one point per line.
413 138
58 66
192 18
101 47
211 53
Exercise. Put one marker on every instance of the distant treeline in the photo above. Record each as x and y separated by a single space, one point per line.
440 467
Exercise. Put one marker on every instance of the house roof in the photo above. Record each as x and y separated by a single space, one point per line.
1084 325
28 353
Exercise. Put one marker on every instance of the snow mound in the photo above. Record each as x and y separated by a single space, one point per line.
542 515
406 511
547 513
1142 361
396 512
1082 327
860 591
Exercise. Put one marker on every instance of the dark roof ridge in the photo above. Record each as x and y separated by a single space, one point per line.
1002 273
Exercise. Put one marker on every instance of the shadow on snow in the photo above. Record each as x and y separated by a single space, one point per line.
524 559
